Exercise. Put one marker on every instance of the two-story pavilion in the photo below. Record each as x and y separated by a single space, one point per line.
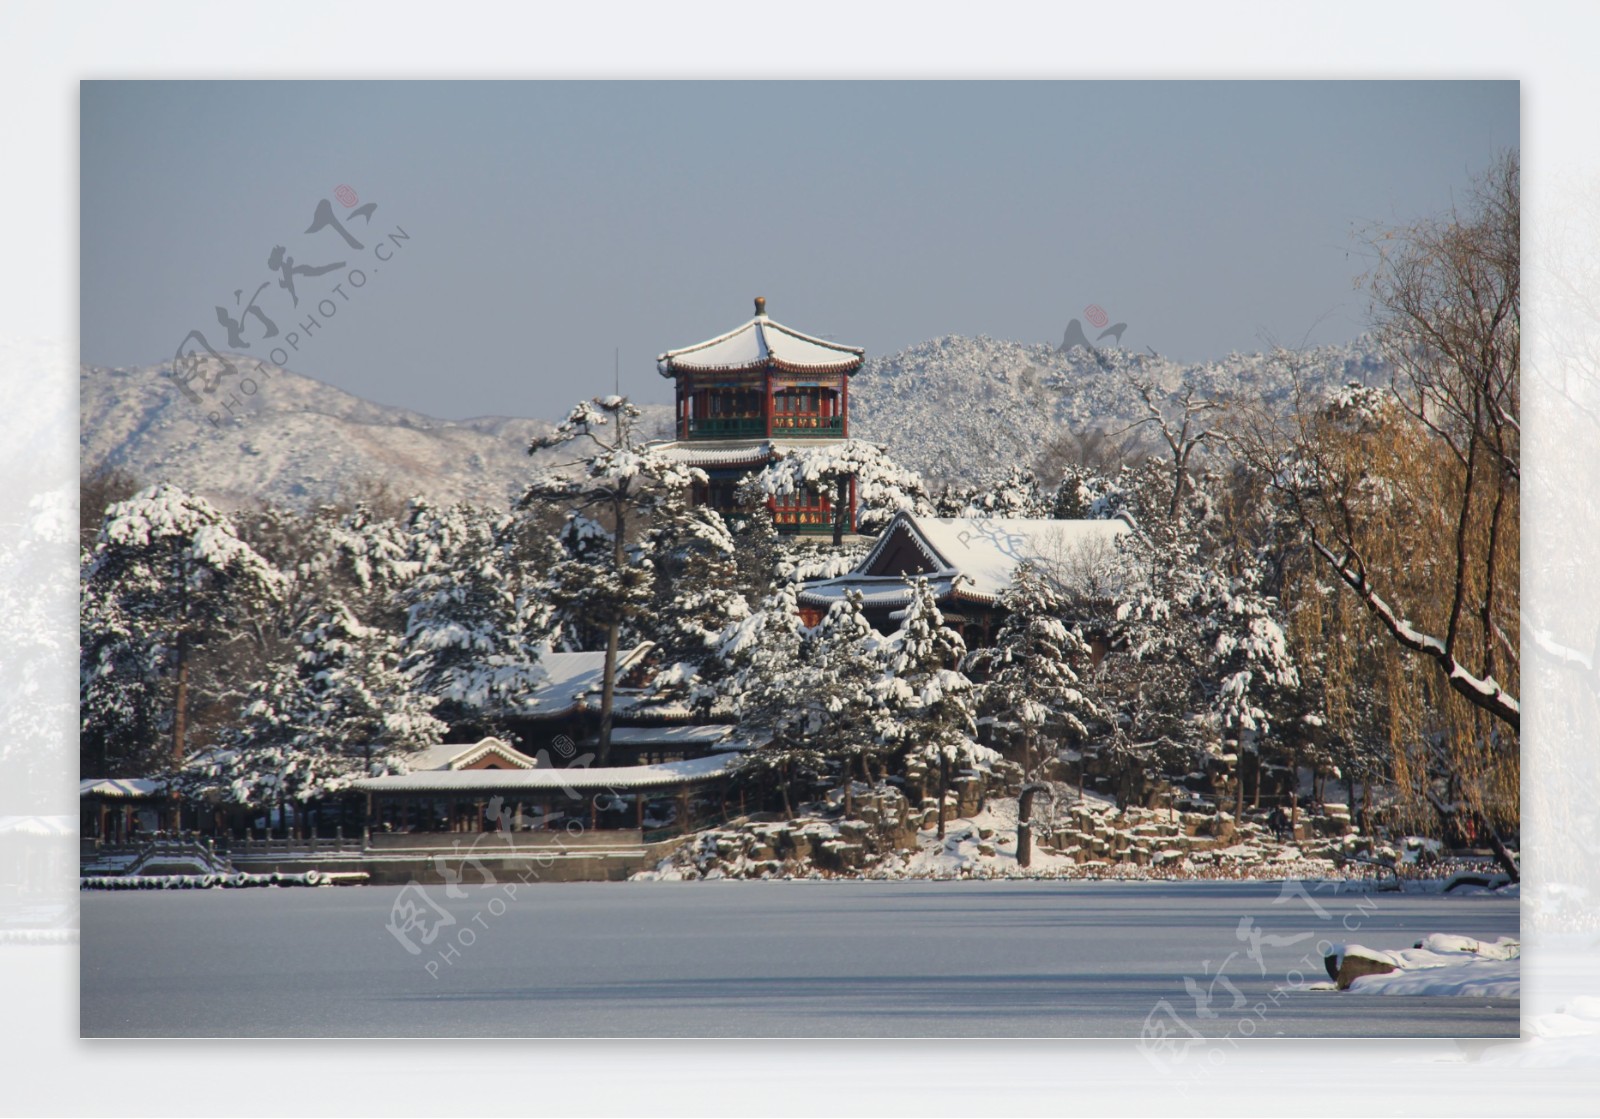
746 397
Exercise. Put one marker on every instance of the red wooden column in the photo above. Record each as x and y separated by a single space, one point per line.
768 411
844 412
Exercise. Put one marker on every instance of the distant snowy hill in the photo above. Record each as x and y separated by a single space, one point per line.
956 409
963 409
297 441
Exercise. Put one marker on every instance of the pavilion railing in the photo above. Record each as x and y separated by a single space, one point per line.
724 427
251 847
807 425
804 519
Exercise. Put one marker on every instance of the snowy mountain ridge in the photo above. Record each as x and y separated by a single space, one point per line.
963 409
956 409
296 440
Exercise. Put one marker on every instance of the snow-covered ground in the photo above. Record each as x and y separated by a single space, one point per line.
1093 838
985 846
1443 964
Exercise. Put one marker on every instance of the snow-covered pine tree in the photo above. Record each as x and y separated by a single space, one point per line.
303 547
695 595
770 685
883 488
369 561
168 578
1204 639
343 710
583 592
473 628
1088 493
759 551
925 705
366 704
615 476
844 654
1016 493
36 713
954 500
1027 680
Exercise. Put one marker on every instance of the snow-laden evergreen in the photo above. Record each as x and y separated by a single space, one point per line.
474 623
1016 493
846 657
1030 687
926 708
883 487
610 473
696 592
167 577
769 684
344 710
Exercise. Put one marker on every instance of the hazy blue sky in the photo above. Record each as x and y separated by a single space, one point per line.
551 223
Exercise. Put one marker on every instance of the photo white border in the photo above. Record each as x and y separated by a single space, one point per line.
48 47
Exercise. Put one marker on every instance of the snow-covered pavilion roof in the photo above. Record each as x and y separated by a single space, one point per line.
714 736
720 452
39 826
570 678
985 550
575 778
760 344
736 452
122 788
459 755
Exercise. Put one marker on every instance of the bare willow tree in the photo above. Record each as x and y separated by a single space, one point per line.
1185 422
1410 497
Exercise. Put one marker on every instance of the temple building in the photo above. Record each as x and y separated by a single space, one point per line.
492 786
746 397
969 561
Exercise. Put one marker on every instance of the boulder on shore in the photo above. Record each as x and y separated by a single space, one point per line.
1347 964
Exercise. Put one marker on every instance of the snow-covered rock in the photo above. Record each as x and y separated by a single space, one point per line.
1438 964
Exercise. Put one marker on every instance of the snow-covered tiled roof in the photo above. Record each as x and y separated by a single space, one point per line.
571 678
575 778
758 344
876 591
40 826
708 735
718 452
736 452
121 787
455 755
986 550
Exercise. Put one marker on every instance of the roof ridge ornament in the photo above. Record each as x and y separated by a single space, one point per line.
761 306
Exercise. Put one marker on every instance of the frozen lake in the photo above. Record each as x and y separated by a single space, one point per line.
793 959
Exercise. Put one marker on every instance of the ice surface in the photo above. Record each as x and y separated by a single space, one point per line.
807 959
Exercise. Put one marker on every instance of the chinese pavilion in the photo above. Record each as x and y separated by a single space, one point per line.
746 397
